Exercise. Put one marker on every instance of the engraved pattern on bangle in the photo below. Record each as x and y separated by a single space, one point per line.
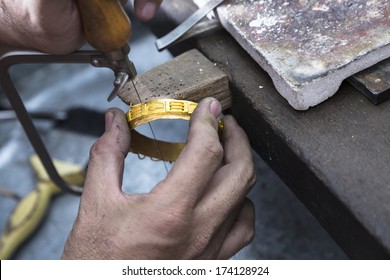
154 110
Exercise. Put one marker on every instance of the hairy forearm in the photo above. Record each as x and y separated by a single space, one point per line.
50 26
8 32
45 25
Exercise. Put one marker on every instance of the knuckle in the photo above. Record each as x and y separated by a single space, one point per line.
252 177
103 150
213 151
249 233
246 173
200 242
97 149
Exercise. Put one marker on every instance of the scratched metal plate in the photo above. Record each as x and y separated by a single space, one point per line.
309 47
374 82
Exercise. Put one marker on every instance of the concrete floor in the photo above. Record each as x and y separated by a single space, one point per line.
284 228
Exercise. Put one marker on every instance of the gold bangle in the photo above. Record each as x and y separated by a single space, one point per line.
154 110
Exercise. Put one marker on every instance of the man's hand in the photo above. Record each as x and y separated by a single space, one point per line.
200 211
146 9
45 25
51 26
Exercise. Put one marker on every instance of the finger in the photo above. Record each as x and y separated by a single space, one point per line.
106 162
223 233
236 142
146 9
201 156
214 234
232 182
241 234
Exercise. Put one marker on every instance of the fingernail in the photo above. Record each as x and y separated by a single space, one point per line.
148 10
215 109
109 119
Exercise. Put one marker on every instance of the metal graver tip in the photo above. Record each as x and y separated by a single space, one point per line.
119 82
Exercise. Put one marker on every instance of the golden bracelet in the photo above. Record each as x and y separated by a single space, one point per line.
154 110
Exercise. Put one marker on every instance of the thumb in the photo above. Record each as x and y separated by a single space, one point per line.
201 156
107 155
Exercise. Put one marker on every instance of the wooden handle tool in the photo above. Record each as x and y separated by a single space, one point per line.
105 23
107 28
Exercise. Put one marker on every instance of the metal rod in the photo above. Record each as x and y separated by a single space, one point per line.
180 30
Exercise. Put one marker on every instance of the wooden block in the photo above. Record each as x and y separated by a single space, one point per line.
190 76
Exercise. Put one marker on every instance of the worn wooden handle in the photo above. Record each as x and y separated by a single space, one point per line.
106 25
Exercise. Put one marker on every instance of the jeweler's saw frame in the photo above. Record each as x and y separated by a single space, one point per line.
95 58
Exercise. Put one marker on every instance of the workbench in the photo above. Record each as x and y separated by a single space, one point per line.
335 157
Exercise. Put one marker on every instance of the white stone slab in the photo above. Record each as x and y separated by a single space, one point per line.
309 47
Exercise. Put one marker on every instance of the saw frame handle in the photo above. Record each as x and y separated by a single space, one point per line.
105 23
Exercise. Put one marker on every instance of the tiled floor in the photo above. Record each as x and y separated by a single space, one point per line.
284 228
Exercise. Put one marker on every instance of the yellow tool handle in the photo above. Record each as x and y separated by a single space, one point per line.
106 25
31 210
26 218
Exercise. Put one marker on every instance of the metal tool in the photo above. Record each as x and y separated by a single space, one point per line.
107 29
374 82
179 31
55 116
12 58
32 208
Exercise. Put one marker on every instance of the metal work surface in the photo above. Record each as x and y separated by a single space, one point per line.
374 82
334 157
310 47
284 228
